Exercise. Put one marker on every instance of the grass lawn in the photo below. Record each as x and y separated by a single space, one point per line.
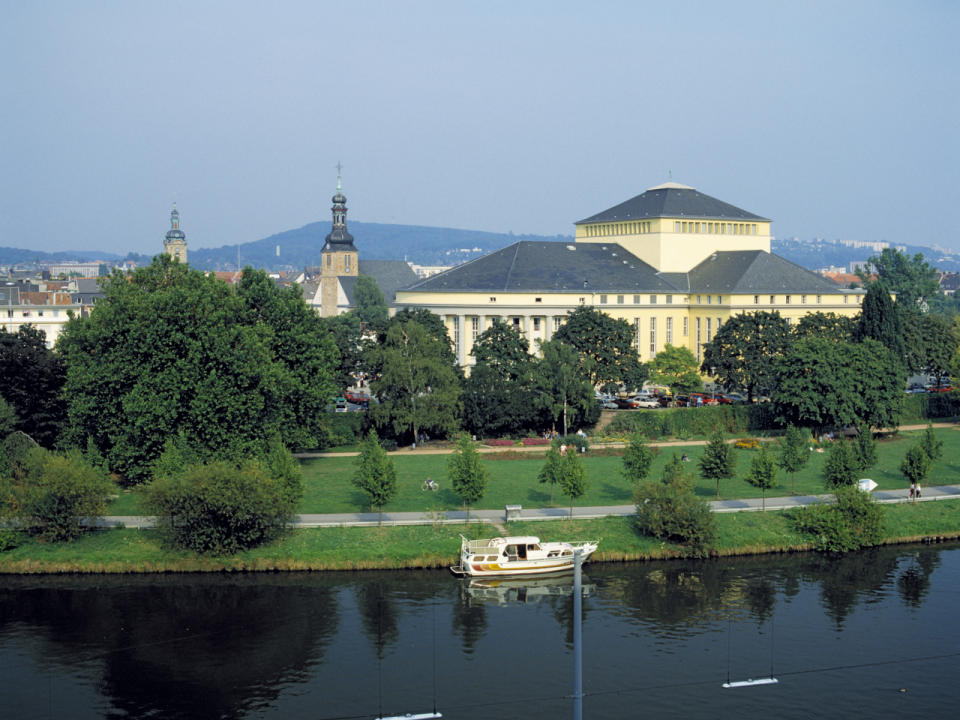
437 546
328 486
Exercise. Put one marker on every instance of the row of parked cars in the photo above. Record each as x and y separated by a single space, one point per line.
648 400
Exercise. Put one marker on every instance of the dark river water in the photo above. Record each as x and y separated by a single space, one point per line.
869 635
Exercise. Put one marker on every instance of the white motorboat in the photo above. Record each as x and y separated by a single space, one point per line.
519 555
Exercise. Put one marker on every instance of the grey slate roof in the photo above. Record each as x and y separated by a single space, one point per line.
672 202
754 271
391 275
528 266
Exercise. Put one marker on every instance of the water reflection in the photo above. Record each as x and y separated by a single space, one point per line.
286 645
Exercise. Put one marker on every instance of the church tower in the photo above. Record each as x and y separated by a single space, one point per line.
339 256
175 242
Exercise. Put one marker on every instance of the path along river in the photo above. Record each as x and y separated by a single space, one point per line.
872 634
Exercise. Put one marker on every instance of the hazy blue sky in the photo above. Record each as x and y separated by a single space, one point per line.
835 119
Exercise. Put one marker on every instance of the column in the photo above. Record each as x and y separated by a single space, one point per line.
462 340
547 328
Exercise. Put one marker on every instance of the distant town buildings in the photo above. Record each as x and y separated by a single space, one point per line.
46 304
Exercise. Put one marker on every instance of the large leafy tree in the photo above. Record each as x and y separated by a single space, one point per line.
31 378
826 325
742 353
172 350
417 386
939 341
354 344
822 383
910 277
563 389
499 396
605 345
467 473
675 366
431 322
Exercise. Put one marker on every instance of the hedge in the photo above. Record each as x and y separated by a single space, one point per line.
690 422
344 428
928 406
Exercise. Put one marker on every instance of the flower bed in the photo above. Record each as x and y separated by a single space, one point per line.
747 444
500 442
535 441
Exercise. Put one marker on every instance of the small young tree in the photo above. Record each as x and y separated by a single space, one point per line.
931 444
467 473
763 473
718 460
794 453
573 478
551 471
637 459
916 464
865 448
375 474
840 468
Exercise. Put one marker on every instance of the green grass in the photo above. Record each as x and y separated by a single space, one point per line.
328 486
353 548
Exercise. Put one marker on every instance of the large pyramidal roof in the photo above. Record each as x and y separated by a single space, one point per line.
672 200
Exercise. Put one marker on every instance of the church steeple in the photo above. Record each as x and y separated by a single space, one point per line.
175 241
339 238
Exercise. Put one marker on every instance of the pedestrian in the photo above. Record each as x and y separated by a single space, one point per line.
563 449
918 491
913 490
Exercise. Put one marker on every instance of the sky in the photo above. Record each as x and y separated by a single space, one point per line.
833 119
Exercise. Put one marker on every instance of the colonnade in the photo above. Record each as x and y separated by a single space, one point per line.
533 326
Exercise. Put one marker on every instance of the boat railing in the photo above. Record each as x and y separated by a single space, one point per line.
479 545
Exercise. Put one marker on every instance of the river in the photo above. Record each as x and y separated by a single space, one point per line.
872 634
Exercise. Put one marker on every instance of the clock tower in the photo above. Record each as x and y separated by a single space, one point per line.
175 242
339 257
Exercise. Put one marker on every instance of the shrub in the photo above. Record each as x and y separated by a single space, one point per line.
579 443
221 508
841 467
747 444
853 522
9 539
57 493
343 428
671 511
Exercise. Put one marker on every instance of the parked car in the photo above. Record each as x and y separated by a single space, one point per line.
735 397
626 403
609 405
645 402
339 404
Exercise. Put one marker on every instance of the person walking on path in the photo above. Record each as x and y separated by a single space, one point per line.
913 490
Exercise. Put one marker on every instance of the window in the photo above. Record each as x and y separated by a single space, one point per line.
846 299
676 226
456 335
685 227
819 299
756 299
709 299
603 299
709 329
669 299
653 299
536 324
669 337
474 328
619 299
686 326
557 322
803 299
346 262
493 299
636 334
772 299
329 260
636 299
653 336
582 300
786 299
719 299
698 340
538 299
516 324
698 300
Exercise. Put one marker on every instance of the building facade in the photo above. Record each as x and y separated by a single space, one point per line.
672 262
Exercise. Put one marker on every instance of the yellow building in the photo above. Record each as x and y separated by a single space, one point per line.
672 262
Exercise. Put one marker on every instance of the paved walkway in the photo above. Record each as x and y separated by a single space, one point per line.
497 517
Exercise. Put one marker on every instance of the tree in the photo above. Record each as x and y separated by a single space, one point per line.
499 397
916 464
865 448
827 384
910 277
637 459
829 326
8 418
794 453
840 468
354 345
418 388
573 478
170 350
763 473
552 469
467 473
59 492
939 342
431 322
223 507
718 461
931 444
370 305
31 379
605 345
881 320
563 389
375 474
742 353
675 366
669 509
